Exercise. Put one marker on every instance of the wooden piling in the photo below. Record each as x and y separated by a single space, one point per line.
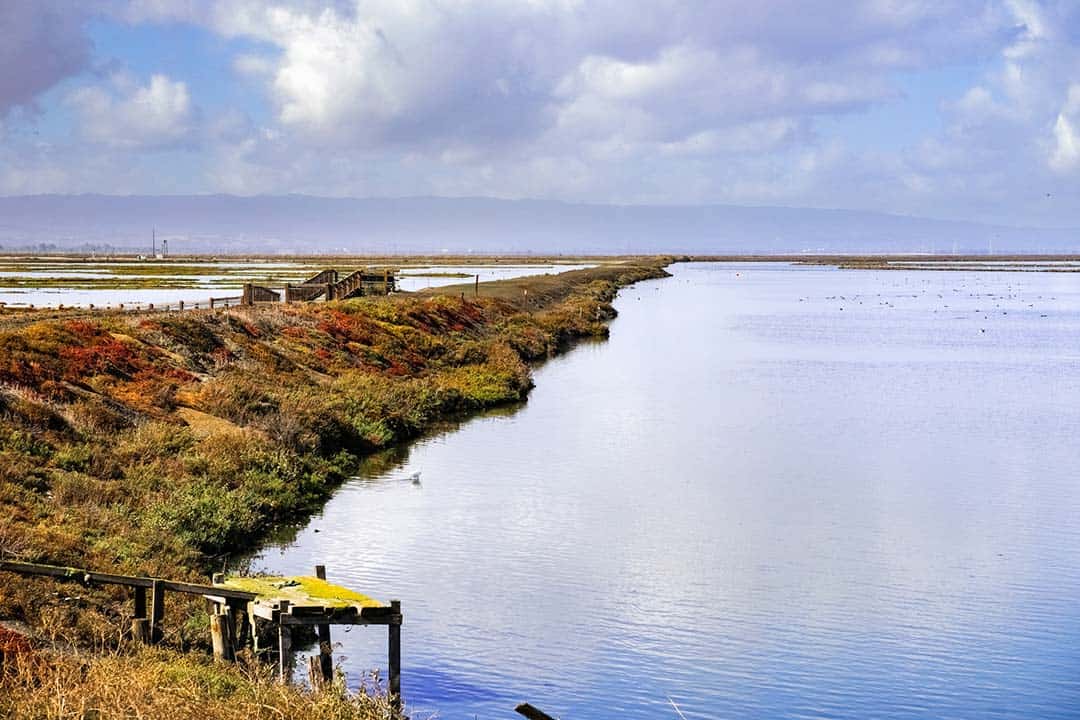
239 624
140 626
284 646
394 652
140 602
326 649
315 676
157 611
221 635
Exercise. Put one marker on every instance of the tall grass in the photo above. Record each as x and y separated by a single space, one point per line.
157 684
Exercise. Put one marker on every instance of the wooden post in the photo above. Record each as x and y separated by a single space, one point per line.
238 624
394 652
211 303
284 646
140 626
477 293
221 635
140 602
181 306
326 649
314 671
140 630
386 282
157 611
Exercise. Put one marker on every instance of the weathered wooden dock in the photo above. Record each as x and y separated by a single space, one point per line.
325 285
247 611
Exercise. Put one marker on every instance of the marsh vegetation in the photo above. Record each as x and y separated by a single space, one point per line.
162 443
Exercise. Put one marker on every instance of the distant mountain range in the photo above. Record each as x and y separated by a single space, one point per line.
305 224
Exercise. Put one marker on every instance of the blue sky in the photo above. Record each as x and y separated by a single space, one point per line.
968 109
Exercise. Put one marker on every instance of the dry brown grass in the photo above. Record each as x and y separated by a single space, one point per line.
156 684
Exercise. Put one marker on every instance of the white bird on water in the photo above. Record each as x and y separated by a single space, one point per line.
415 477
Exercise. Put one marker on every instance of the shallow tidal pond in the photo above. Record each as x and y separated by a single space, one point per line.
776 491
59 282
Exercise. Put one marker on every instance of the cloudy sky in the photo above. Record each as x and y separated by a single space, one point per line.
962 109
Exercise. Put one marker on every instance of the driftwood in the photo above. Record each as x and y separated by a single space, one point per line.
532 713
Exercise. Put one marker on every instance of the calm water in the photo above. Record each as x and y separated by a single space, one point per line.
776 492
216 279
417 278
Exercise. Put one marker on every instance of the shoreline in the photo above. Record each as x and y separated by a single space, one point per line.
158 445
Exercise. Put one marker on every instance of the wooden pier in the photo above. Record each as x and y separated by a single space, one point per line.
249 610
326 285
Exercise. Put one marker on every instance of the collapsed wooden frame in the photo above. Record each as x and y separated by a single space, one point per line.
236 614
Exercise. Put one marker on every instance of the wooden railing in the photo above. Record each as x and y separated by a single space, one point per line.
143 627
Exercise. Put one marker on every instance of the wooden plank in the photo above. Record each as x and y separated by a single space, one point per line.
90 577
268 613
387 614
24 568
208 590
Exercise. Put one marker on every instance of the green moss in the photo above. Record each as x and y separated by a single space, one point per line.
300 590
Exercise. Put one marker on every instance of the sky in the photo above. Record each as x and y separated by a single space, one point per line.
968 109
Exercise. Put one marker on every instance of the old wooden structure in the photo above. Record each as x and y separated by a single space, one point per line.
258 294
248 611
328 285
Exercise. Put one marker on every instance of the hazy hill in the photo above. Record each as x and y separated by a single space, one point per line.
298 223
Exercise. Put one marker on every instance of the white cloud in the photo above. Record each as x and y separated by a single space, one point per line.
157 115
257 66
417 73
1066 153
606 100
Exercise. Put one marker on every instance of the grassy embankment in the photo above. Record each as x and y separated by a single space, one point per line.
160 443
